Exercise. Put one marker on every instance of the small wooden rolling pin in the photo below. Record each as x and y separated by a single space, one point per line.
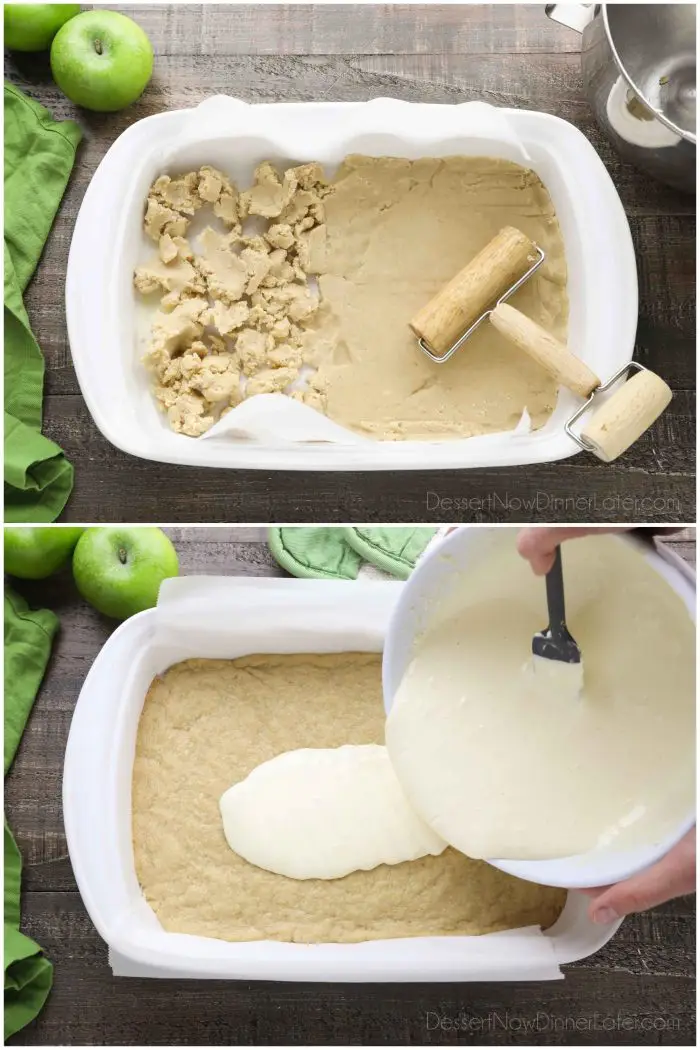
475 288
475 291
626 415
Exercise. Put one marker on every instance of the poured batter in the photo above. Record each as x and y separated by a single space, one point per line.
506 762
322 813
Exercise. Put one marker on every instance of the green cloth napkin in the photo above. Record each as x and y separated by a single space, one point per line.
29 635
39 156
340 552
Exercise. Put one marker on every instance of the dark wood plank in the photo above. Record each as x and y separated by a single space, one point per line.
629 998
330 29
653 482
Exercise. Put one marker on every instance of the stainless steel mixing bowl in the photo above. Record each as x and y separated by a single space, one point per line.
638 63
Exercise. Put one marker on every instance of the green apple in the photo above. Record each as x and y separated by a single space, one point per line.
33 553
119 570
32 27
101 60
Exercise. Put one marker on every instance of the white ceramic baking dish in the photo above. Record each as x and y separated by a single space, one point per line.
108 241
226 618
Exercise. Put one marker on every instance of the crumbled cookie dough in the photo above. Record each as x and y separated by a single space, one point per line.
174 332
280 235
234 309
223 270
193 381
252 347
382 238
206 724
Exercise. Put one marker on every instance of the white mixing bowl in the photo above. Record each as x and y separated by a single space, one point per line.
434 574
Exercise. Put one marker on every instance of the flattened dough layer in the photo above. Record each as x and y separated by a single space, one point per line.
397 231
208 723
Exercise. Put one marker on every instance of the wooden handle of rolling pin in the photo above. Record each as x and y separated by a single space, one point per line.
626 415
552 355
450 313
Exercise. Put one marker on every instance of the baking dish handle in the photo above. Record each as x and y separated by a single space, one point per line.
218 115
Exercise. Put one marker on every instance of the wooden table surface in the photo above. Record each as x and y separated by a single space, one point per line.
510 55
639 989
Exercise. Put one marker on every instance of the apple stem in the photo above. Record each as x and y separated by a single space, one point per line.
122 556
98 47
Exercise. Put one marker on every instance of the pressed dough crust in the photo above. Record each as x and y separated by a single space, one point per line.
397 231
208 723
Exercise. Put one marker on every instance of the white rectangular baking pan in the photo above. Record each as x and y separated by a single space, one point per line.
227 618
108 242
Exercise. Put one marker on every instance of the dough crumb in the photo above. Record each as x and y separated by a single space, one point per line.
179 194
167 248
175 331
223 269
280 235
177 275
160 220
252 348
269 194
226 319
187 415
271 381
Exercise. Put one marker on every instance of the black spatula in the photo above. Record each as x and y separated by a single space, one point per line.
555 642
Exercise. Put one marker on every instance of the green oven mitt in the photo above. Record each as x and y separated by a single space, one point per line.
344 553
393 548
39 156
314 553
29 636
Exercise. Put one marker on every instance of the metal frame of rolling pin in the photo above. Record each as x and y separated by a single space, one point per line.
568 426
440 359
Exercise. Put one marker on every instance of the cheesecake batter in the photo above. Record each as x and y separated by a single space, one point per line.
323 812
505 761
207 724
